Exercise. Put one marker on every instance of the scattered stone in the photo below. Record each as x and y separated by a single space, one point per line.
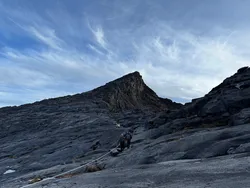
9 171
34 180
95 167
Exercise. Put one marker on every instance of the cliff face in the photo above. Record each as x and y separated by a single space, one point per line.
130 92
228 98
226 104
226 101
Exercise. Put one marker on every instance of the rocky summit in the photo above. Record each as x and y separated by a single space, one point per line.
204 143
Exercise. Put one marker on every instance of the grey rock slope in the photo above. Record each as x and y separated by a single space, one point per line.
226 104
130 92
61 131
205 143
218 172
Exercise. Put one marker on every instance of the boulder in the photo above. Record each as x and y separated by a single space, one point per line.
114 152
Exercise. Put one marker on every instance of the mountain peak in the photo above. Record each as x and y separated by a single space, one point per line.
128 92
128 77
133 74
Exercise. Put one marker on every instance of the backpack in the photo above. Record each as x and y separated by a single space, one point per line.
128 136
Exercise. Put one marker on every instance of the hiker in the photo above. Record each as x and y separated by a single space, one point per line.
125 140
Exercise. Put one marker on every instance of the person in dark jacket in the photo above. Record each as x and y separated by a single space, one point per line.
125 140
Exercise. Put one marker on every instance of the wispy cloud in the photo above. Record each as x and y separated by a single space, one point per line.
66 54
99 36
95 49
46 35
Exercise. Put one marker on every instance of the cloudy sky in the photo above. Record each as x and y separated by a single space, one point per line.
182 48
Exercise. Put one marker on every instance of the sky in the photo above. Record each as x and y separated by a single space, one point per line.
182 48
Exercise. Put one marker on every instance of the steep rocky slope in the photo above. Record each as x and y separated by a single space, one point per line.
130 92
205 143
61 130
226 104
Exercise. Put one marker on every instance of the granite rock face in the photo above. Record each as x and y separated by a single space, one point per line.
205 143
226 104
130 92
62 130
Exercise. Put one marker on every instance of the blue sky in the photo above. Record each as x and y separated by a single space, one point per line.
182 48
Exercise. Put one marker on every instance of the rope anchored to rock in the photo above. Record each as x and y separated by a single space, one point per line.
113 152
67 172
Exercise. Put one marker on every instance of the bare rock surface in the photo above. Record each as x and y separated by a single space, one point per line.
226 104
221 172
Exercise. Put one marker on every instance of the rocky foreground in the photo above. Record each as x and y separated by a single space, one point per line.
205 143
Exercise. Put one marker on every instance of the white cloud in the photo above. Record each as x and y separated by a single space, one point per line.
46 35
95 49
187 66
98 34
